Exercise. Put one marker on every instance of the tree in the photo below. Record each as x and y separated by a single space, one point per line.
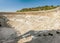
38 8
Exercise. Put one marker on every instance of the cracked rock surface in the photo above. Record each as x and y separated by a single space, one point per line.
51 36
8 35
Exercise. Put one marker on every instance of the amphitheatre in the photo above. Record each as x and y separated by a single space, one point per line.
27 27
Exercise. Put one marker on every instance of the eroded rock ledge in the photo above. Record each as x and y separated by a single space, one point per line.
46 36
26 21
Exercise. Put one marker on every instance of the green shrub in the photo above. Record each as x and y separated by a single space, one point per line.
38 8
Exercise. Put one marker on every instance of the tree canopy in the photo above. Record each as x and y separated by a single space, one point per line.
37 8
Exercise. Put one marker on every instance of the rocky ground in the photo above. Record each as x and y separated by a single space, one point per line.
9 35
51 36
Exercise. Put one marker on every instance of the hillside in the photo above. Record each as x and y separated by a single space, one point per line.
37 8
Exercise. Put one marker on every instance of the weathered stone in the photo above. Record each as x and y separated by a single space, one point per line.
8 35
26 21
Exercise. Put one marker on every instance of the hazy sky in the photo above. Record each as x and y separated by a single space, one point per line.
13 5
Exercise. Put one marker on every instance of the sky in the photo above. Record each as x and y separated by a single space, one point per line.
14 5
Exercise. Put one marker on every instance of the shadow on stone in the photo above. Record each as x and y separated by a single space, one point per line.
52 36
57 32
7 33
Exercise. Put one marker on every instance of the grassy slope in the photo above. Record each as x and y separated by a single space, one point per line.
37 8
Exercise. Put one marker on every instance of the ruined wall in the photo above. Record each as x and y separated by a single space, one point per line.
38 20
